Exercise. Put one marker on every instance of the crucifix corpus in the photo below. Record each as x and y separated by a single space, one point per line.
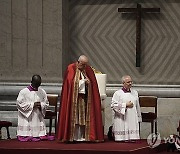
138 12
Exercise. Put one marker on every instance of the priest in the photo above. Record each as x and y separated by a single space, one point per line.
126 112
80 116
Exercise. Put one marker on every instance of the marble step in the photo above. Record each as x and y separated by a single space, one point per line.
8 105
9 116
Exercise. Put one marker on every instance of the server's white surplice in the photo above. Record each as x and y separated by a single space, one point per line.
126 120
31 121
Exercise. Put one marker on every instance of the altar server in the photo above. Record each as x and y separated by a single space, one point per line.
126 112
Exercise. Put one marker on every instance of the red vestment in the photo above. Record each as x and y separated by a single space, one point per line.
67 114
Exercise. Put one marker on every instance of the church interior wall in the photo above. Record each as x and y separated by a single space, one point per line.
43 36
31 40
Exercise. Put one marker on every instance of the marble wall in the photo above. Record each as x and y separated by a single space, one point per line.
33 35
43 36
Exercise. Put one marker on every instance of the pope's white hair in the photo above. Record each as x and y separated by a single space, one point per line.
83 58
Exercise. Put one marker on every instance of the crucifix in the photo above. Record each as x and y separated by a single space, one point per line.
138 12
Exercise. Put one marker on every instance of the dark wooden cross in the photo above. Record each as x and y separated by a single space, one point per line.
138 12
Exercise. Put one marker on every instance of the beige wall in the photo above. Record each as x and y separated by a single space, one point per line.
43 36
31 37
108 37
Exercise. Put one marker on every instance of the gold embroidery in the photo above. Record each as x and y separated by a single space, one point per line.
74 104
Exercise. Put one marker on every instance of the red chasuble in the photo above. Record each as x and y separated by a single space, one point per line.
67 113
